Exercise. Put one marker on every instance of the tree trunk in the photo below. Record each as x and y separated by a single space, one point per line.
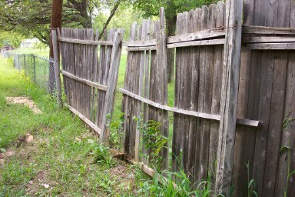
55 24
171 25
87 18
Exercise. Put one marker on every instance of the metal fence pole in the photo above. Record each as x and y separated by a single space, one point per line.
34 67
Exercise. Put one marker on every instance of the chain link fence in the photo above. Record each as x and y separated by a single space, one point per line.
36 68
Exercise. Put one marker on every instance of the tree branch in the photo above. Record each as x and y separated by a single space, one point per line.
109 19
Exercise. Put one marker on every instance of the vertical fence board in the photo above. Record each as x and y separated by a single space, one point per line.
194 134
177 143
126 100
218 11
275 126
230 84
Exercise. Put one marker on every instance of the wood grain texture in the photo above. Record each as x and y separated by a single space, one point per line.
86 81
230 84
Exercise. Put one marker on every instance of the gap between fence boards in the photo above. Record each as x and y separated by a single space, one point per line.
246 122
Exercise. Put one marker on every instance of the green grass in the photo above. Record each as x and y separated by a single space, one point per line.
63 154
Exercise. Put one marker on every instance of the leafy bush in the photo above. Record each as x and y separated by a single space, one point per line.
152 140
102 154
116 131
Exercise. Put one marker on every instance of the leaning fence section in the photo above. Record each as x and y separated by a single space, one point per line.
90 72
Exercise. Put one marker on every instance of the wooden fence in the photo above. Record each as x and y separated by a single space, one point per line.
234 94
89 81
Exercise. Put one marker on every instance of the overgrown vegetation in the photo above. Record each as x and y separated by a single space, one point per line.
152 140
174 184
64 156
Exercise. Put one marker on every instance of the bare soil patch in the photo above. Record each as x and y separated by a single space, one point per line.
25 101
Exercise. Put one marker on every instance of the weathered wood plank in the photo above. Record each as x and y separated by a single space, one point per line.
200 35
126 100
245 122
141 48
142 43
112 81
84 42
202 124
275 124
177 143
163 83
264 30
285 182
88 82
146 84
230 84
268 39
140 92
195 134
219 41
218 15
191 133
196 125
271 46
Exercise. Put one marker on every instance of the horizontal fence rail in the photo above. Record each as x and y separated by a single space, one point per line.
244 122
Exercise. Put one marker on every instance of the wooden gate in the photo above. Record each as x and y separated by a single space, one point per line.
90 73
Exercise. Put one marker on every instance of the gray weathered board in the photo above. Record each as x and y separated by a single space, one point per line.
90 73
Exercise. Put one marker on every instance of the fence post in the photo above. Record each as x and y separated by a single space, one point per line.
229 94
25 65
34 66
56 67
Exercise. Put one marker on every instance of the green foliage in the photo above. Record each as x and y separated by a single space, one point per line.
123 19
152 7
251 183
116 131
101 154
174 184
152 140
10 38
32 18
